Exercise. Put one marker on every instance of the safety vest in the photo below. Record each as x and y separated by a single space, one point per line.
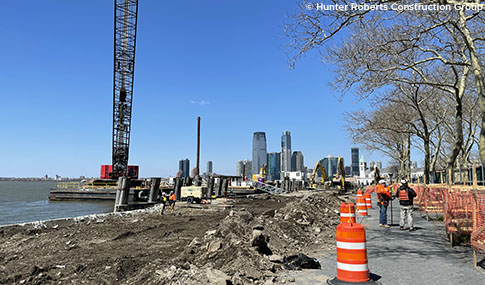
383 194
403 195
172 197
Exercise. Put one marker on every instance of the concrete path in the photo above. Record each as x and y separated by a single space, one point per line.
403 257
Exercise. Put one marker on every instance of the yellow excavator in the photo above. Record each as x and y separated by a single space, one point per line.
339 179
262 173
318 166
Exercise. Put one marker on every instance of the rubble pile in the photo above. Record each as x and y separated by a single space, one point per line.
245 248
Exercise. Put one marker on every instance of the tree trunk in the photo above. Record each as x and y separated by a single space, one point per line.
426 160
479 79
458 140
408 157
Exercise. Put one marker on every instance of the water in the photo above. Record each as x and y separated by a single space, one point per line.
28 201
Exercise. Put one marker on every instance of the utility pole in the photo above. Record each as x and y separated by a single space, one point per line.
198 146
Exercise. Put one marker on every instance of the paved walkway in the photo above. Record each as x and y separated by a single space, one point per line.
403 257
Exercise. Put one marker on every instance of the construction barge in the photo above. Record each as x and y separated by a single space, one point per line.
106 191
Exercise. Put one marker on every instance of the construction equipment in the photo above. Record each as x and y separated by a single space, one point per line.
377 175
125 21
318 166
339 179
262 173
194 194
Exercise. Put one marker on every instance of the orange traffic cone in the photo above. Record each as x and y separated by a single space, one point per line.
351 256
347 212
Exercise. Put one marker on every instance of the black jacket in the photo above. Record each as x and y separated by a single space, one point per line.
411 195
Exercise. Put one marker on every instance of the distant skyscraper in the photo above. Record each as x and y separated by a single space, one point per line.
297 163
286 151
209 167
274 166
355 161
184 166
259 151
348 170
246 166
379 164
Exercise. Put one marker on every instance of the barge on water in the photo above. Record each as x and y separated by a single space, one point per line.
100 190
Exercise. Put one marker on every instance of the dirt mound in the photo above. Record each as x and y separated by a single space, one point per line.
246 248
244 245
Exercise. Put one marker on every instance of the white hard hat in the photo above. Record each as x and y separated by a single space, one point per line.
404 181
382 181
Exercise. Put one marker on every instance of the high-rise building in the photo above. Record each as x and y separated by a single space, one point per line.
286 151
348 170
330 165
379 164
184 166
259 151
297 163
274 166
355 161
246 166
209 167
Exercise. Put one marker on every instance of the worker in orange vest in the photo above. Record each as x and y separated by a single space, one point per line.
406 195
172 202
165 201
383 196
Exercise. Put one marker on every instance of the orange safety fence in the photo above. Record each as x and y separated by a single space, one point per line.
478 234
420 195
458 209
434 199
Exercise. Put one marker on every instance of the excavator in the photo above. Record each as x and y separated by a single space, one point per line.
262 173
377 175
318 166
339 179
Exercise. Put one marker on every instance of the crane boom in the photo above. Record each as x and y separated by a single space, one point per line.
318 166
125 22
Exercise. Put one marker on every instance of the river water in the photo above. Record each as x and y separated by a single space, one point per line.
29 201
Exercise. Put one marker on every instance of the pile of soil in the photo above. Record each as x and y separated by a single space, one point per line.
245 244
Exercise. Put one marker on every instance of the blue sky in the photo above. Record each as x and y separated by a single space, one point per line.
222 60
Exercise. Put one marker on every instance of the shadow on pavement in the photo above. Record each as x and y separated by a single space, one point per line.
374 276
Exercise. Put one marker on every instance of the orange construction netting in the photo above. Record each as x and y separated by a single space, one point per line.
478 234
458 209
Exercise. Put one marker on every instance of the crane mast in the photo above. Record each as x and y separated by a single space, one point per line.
125 21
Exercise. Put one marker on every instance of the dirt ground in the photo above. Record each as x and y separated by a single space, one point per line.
245 244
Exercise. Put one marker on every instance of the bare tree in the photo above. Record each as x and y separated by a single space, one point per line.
379 131
406 47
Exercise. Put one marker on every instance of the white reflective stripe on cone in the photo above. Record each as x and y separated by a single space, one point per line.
352 267
347 215
350 245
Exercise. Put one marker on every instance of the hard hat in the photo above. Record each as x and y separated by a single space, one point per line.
382 181
404 181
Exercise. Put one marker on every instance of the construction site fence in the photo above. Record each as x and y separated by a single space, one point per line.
462 208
